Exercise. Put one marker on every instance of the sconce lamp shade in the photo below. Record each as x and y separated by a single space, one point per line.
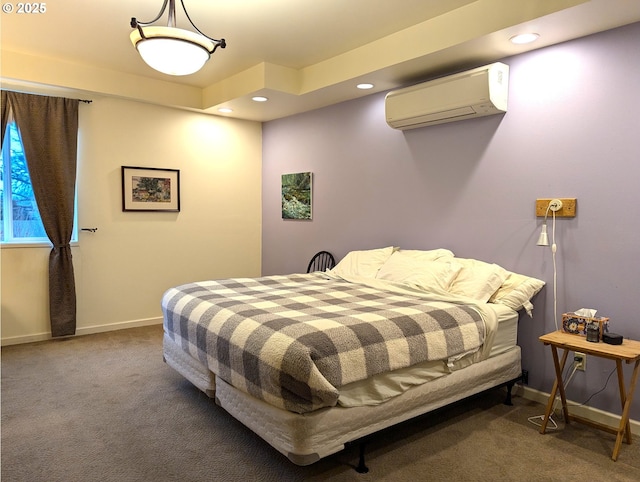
543 240
171 50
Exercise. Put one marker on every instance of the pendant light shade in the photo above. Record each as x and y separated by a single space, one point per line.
543 240
171 50
553 206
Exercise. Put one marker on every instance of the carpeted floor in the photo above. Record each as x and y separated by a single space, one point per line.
106 408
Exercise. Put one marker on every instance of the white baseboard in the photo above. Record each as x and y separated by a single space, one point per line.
590 413
87 330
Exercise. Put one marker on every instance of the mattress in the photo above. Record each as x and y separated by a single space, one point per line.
367 392
294 340
188 367
380 388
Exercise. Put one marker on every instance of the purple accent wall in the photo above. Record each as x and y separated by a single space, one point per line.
572 130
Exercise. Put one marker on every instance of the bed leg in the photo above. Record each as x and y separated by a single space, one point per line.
362 468
507 400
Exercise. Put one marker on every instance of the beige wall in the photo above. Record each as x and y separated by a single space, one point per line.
123 269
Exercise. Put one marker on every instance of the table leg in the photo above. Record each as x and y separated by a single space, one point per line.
625 399
559 369
558 384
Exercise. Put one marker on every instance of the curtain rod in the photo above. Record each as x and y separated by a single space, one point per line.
84 101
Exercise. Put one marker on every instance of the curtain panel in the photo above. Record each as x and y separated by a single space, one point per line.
49 131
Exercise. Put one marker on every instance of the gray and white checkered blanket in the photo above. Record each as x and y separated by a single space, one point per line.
292 341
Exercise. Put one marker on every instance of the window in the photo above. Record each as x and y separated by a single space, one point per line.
19 214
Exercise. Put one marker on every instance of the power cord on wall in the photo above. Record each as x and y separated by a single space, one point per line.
553 206
554 249
595 393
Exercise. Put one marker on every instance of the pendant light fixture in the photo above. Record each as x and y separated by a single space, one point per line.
172 50
554 206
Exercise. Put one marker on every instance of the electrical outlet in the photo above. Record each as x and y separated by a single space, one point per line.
581 360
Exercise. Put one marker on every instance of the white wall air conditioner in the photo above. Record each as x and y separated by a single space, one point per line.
474 93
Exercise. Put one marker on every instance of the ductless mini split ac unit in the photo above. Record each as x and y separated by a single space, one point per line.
474 93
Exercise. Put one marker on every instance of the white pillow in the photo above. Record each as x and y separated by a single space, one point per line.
427 255
424 274
516 292
477 279
363 263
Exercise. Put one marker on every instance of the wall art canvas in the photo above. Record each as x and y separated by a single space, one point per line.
296 195
150 189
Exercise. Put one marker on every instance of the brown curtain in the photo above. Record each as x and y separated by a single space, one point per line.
49 130
6 115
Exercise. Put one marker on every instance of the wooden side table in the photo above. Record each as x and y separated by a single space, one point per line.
629 352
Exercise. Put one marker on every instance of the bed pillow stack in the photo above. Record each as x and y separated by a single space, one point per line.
438 270
477 279
429 271
365 263
516 292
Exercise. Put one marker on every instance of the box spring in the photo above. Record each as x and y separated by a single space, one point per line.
306 438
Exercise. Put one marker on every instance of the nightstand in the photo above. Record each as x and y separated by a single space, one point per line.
628 352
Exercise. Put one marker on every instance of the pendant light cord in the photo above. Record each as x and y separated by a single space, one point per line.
554 249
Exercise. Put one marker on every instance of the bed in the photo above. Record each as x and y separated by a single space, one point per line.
313 361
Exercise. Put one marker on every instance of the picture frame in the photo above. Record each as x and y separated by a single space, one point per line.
297 196
150 189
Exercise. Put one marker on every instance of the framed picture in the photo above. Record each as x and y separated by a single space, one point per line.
296 195
150 189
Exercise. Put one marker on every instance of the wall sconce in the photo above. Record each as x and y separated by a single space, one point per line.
543 239
554 206
565 207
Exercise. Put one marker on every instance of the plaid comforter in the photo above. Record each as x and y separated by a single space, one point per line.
292 341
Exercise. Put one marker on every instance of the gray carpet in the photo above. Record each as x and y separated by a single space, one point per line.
106 408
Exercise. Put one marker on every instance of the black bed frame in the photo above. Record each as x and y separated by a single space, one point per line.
362 467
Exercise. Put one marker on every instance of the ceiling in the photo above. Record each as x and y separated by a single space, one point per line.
301 54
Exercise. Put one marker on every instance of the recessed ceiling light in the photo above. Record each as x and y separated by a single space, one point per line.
525 38
259 98
225 110
364 86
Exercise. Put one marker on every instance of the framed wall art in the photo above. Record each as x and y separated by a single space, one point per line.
296 195
150 189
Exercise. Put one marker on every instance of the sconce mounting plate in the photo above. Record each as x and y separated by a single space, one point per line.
568 209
